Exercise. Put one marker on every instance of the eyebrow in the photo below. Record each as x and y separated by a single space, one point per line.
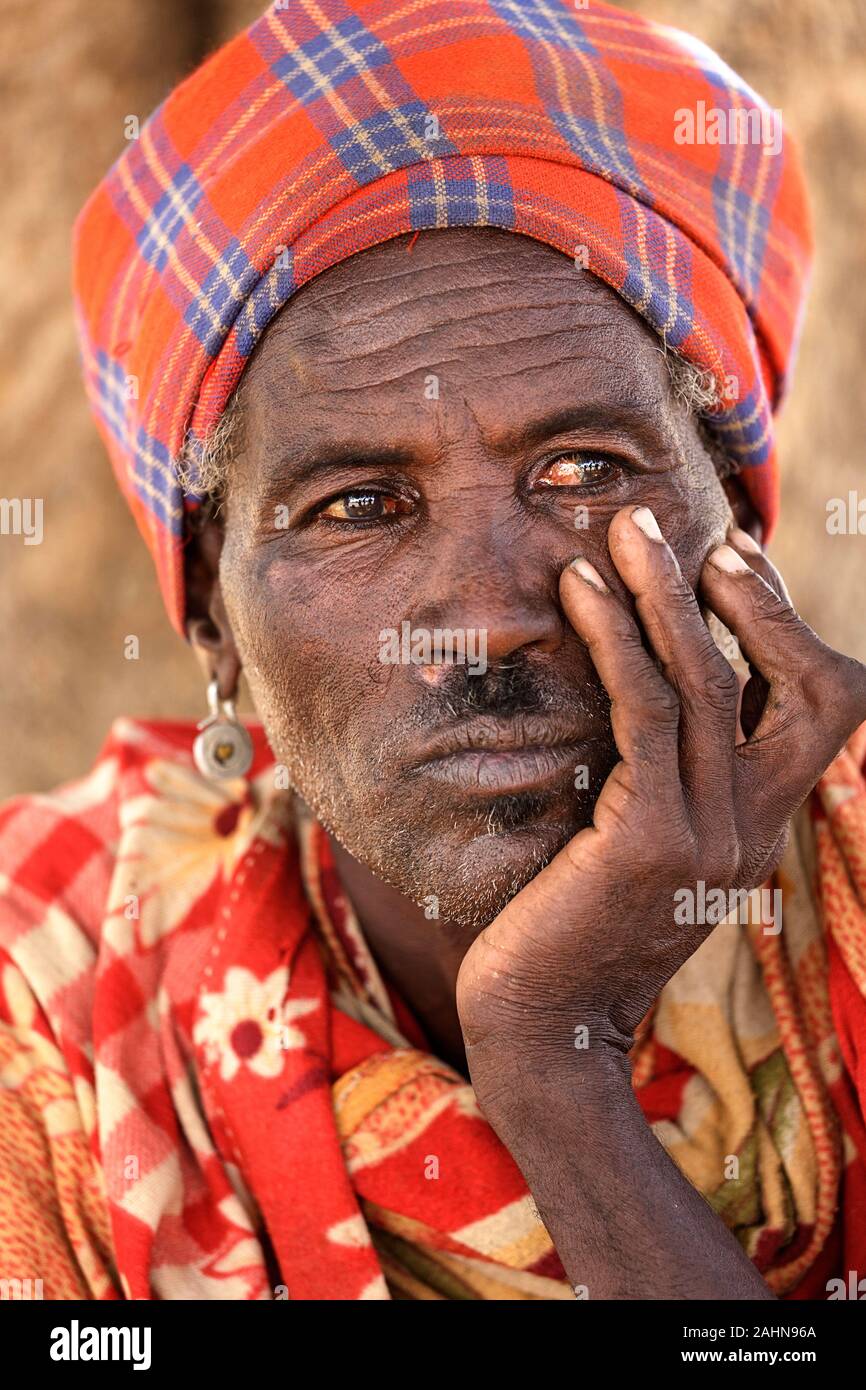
628 415
322 457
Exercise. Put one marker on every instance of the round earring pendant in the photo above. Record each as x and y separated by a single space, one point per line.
223 749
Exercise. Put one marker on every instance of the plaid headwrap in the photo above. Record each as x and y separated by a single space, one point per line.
329 126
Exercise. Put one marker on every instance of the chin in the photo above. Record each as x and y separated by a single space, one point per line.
460 855
477 864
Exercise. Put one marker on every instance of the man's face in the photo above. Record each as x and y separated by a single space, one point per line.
432 430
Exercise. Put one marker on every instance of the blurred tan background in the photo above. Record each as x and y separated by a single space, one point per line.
70 72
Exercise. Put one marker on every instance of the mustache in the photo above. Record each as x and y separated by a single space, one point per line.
517 685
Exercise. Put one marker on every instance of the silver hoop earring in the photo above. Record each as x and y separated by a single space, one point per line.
224 747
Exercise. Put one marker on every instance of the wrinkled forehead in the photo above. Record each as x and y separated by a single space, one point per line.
476 319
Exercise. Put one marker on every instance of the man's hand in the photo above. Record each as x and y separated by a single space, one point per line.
592 940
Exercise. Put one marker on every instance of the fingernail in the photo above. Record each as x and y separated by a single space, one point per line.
744 540
724 558
646 522
589 573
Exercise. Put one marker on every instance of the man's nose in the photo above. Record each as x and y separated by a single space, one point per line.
497 593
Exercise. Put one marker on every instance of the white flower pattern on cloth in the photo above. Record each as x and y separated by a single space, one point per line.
178 836
249 1022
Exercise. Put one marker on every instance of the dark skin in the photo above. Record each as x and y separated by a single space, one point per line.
418 427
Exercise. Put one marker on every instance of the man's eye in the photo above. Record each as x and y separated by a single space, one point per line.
364 505
577 470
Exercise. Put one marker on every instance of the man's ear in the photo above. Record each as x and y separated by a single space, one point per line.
207 625
745 515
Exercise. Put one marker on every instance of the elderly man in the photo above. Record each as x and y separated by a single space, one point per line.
448 979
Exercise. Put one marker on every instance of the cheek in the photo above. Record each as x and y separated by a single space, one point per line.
705 526
693 514
311 664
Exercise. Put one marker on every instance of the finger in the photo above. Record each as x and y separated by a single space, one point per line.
644 708
817 695
705 682
759 561
756 689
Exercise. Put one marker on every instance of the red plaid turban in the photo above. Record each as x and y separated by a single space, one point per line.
329 126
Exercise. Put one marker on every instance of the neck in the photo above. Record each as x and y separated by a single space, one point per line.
420 957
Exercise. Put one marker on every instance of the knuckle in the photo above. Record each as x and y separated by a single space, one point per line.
770 607
656 705
630 646
762 858
776 854
719 686
677 590
652 702
837 684
851 675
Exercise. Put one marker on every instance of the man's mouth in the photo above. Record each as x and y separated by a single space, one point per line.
491 756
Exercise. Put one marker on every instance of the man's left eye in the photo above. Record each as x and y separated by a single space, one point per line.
364 505
577 470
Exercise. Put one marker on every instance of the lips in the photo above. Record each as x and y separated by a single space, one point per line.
493 757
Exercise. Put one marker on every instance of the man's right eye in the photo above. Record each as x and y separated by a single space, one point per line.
364 504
